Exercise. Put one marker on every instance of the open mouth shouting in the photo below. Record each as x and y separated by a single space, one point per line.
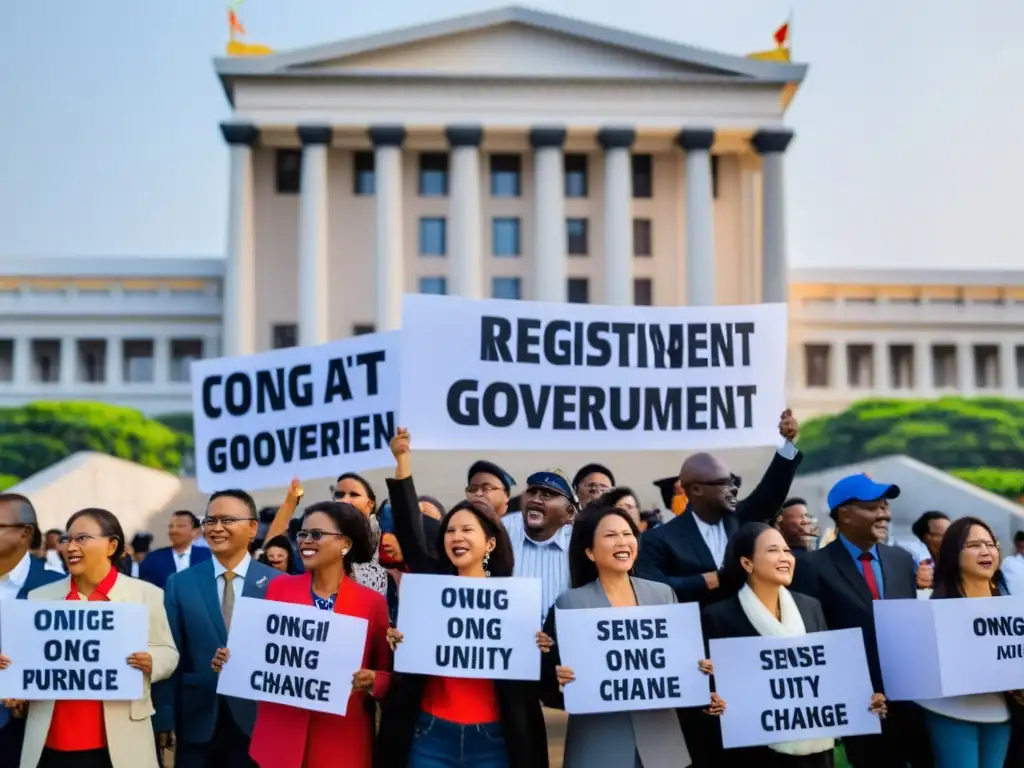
73 559
535 515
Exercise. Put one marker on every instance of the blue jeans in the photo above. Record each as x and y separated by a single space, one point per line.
962 744
442 744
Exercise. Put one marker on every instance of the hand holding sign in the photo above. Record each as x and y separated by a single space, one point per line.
789 428
363 680
5 662
141 661
220 658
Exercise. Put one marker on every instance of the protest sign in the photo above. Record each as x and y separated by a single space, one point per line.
260 420
779 689
292 654
512 375
632 658
922 642
460 627
65 651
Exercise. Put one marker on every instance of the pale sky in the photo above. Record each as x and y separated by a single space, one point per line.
909 128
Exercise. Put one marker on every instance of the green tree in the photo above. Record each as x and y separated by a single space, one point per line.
8 481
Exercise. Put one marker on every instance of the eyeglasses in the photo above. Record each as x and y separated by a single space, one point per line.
81 539
986 545
213 522
596 488
472 490
721 482
315 535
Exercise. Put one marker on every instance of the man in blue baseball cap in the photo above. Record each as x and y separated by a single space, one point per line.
847 576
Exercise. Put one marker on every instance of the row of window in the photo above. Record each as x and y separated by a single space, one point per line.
577 289
901 371
91 356
505 172
506 238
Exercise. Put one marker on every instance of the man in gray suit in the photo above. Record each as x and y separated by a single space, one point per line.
211 731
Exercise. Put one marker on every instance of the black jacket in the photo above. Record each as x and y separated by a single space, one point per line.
518 701
676 553
726 618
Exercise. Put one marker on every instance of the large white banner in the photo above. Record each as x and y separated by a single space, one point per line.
922 643
779 689
632 658
512 375
292 654
308 411
459 627
63 651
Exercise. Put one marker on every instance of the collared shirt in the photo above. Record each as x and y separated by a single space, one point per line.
54 562
78 726
238 584
876 564
1013 572
715 537
544 560
12 582
182 560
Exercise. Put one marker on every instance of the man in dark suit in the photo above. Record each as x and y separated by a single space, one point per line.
211 731
161 564
20 573
847 576
794 523
687 552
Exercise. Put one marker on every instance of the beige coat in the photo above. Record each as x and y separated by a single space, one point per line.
128 726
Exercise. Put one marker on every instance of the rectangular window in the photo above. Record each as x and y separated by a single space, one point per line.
364 175
288 171
46 360
506 288
434 285
714 176
576 175
183 352
284 335
433 237
6 359
576 232
643 176
642 245
433 174
816 364
579 290
91 361
361 329
137 357
505 233
643 292
505 176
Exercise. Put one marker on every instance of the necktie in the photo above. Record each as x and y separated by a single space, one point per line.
866 558
227 603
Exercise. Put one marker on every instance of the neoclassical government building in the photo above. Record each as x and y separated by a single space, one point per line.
512 154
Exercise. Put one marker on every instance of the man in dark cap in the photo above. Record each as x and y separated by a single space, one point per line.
847 576
489 481
591 481
540 535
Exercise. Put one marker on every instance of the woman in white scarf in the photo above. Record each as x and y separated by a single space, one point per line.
757 570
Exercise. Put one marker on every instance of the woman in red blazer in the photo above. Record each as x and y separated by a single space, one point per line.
333 536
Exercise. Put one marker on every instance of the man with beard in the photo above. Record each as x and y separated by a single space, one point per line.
540 535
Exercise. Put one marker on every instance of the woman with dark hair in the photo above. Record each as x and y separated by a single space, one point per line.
277 553
333 539
624 498
756 573
969 731
601 556
99 734
353 489
446 721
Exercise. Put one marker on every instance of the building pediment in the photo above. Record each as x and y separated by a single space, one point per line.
509 43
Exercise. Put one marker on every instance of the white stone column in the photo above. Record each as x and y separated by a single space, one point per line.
114 362
965 367
313 277
771 144
22 362
618 218
550 259
389 245
161 360
464 220
239 307
700 217
1008 367
880 363
924 380
839 376
68 361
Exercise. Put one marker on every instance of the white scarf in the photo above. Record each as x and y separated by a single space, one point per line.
792 625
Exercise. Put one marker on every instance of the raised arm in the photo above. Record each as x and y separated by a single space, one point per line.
405 509
765 501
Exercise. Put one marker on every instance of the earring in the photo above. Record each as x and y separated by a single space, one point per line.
487 561
344 552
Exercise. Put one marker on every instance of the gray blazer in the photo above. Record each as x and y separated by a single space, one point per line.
616 739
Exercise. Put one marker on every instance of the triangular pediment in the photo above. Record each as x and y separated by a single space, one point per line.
511 42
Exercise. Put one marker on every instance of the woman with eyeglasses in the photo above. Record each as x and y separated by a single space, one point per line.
447 722
969 731
334 537
99 734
